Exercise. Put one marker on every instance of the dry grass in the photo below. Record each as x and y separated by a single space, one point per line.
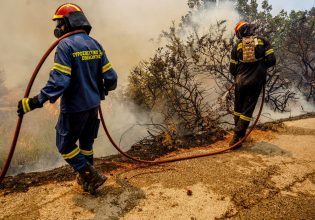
36 147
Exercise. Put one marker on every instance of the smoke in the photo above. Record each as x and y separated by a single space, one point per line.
126 29
296 107
202 19
127 126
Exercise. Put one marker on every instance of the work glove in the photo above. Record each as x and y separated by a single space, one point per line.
28 104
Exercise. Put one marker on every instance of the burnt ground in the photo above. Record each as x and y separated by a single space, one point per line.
148 149
271 177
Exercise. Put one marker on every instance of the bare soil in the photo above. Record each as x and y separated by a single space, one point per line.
271 177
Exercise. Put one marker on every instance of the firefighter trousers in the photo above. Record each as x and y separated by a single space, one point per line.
73 127
246 98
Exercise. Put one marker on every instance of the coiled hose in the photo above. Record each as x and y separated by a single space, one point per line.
27 92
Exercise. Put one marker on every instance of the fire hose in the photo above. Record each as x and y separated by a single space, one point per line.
27 92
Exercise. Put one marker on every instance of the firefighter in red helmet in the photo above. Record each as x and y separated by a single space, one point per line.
70 17
82 76
250 58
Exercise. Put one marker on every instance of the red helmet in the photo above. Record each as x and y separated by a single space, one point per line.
65 9
239 25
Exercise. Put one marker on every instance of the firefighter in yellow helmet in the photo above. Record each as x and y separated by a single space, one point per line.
250 58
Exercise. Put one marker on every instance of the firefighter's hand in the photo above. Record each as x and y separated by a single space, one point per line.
28 104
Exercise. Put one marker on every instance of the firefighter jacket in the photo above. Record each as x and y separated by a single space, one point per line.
251 74
81 74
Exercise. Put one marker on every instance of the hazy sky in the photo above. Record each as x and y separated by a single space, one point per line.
289 5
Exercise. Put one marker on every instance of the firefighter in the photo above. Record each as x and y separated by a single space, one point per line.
250 59
82 76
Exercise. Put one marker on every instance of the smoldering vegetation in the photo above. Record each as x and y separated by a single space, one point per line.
190 73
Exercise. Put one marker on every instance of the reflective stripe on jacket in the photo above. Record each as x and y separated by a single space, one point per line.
80 67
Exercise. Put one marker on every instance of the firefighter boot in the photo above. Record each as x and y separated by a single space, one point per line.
239 132
236 138
83 183
93 178
97 179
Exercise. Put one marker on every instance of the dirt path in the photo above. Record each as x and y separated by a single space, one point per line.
271 177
